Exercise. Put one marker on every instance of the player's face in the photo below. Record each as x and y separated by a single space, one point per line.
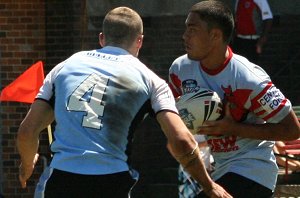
197 38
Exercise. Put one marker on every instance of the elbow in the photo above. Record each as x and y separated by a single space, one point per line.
296 135
181 147
22 135
296 131
293 135
25 133
290 128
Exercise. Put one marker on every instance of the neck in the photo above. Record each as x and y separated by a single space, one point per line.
216 58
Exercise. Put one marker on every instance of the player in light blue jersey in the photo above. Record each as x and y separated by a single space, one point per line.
97 98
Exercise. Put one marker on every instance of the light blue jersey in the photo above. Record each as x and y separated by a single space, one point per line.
100 96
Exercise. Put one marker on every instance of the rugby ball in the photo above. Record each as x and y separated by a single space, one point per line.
196 107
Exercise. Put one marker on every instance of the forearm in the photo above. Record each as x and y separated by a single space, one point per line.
27 145
184 148
196 168
38 118
267 26
288 129
260 131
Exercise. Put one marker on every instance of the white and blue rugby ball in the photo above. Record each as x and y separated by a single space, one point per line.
196 107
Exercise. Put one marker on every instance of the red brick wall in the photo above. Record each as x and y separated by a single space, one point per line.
22 38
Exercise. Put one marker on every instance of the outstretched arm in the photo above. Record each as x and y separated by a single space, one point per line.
287 129
185 150
38 118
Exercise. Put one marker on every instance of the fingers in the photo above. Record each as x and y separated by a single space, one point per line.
227 109
36 157
218 192
218 127
22 181
227 195
22 177
26 171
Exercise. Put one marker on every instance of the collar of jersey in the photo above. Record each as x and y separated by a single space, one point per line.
113 50
219 69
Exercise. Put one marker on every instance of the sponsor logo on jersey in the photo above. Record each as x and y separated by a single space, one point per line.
225 144
272 99
102 56
189 86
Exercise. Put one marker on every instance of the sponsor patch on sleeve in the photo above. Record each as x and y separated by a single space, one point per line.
272 99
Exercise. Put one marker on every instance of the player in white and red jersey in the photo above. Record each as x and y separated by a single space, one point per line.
253 22
97 98
256 112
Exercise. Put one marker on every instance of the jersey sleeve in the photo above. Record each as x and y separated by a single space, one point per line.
265 9
161 95
46 92
270 104
256 99
267 101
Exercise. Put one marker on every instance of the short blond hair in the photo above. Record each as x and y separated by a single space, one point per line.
121 26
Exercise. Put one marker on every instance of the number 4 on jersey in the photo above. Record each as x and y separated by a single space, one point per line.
87 98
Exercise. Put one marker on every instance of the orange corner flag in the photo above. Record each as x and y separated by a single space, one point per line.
26 86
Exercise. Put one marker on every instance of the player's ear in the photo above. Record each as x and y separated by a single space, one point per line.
215 34
137 45
140 41
101 39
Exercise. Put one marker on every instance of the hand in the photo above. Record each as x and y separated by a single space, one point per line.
25 171
220 127
217 191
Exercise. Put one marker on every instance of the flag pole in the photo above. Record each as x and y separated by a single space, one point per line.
49 134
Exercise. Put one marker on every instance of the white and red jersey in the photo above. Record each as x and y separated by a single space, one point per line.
249 16
255 99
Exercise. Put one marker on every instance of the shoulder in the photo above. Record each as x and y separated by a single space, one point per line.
246 69
141 70
182 61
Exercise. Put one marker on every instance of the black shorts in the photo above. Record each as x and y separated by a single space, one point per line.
241 187
70 185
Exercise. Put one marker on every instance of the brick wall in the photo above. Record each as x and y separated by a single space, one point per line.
51 31
22 38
